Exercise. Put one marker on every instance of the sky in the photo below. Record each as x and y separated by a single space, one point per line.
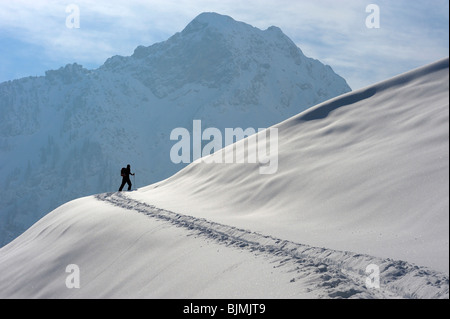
363 43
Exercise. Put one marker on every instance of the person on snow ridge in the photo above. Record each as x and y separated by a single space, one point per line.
125 173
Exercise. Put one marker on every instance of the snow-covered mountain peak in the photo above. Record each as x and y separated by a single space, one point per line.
237 35
215 51
225 25
217 22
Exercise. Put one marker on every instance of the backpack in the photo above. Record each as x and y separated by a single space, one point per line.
123 171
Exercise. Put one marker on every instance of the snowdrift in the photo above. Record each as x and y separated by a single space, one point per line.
365 172
362 180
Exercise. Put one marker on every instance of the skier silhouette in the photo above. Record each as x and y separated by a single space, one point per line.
125 173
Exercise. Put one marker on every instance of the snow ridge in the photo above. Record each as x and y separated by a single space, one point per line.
336 274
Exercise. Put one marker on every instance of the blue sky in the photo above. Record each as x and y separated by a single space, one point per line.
34 36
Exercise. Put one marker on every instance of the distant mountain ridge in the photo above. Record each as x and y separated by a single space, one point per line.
68 133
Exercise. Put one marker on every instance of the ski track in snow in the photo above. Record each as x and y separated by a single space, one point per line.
325 272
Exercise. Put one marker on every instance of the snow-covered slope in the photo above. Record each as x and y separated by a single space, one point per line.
362 181
366 172
67 134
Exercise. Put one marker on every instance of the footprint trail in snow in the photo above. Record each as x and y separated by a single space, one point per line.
329 273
